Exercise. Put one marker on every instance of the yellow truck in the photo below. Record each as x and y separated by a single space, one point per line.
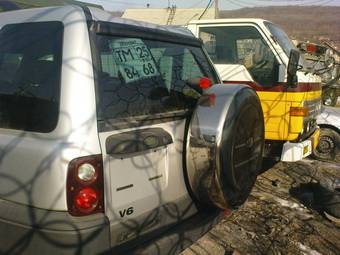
259 53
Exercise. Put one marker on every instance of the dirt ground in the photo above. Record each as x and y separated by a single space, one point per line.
275 221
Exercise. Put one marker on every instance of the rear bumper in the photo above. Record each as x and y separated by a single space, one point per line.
292 152
175 239
27 230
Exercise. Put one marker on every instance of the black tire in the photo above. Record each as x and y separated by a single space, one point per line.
329 146
242 148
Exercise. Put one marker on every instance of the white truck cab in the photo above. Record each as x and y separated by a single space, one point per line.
257 52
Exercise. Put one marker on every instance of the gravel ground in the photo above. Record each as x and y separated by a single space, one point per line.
283 215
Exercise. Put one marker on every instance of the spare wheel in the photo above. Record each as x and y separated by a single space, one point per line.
224 146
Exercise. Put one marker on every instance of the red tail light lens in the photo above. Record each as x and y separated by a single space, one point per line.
205 83
85 186
86 199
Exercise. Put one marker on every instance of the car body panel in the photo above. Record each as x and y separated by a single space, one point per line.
330 116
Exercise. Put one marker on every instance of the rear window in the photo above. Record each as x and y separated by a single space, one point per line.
30 66
140 77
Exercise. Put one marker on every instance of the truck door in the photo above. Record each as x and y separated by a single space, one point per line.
143 104
233 46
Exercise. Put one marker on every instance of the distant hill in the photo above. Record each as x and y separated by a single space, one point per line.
313 23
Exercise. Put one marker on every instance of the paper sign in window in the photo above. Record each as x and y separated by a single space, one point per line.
134 59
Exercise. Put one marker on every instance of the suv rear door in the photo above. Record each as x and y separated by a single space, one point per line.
143 103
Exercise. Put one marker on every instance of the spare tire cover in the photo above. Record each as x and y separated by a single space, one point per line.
224 146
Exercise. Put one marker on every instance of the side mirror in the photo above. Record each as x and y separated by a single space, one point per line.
293 66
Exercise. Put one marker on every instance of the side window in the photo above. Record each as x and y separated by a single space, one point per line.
142 77
30 68
242 45
258 58
219 44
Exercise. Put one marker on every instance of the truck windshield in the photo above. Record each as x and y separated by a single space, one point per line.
281 37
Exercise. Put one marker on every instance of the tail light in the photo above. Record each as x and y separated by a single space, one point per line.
85 186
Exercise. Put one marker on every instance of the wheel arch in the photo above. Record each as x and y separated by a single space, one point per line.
330 127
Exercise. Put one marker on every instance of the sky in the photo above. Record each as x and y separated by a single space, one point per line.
120 5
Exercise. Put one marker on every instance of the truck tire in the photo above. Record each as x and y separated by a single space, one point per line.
224 146
328 148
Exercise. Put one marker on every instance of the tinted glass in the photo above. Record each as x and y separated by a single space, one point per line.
30 64
146 78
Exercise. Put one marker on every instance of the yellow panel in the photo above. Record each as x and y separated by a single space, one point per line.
300 96
275 114
276 106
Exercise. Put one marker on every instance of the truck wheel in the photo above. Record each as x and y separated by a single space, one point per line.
224 146
329 146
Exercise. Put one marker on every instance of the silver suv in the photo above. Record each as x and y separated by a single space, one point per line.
115 135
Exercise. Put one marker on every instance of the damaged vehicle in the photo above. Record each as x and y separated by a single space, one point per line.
329 145
324 60
116 135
